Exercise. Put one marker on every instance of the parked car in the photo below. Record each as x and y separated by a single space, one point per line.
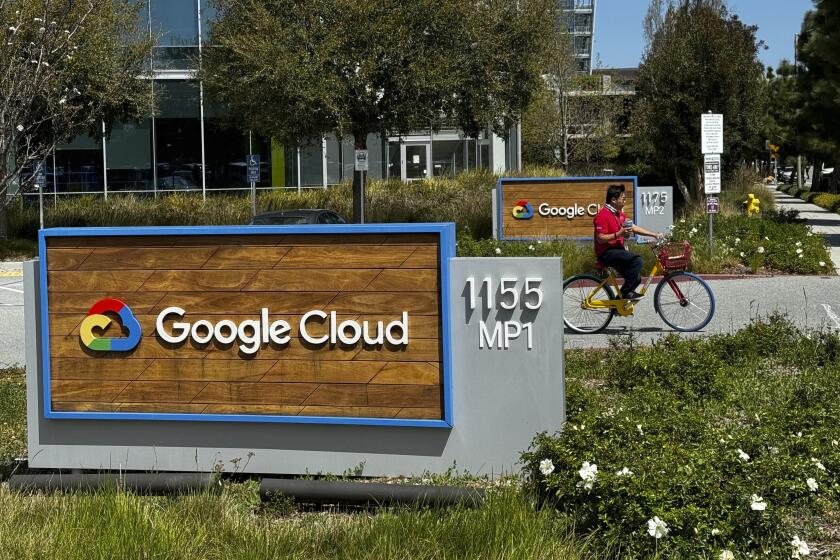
788 174
296 217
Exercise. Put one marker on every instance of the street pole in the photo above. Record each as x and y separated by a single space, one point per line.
796 73
41 185
253 184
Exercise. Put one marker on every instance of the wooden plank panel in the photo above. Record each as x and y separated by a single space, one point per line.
405 280
65 324
198 280
304 280
418 350
206 370
84 407
245 257
335 239
420 413
81 302
172 258
219 302
256 393
161 391
413 239
338 394
161 408
281 410
322 371
361 256
416 373
404 395
99 281
350 411
70 347
66 259
422 257
293 351
85 390
113 369
423 303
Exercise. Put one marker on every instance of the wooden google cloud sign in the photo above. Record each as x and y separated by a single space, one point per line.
332 324
543 208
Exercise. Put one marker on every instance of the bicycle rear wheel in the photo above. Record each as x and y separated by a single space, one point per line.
684 301
576 316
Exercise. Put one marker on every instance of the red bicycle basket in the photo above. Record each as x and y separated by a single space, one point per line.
675 256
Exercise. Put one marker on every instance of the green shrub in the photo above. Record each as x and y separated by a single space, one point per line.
774 240
703 425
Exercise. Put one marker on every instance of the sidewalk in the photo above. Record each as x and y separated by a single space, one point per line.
822 221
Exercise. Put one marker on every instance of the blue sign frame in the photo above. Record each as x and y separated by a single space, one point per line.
503 180
446 231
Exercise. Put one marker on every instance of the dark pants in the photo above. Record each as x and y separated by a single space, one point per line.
628 264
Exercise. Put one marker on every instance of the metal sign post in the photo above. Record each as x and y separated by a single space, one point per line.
711 144
360 166
41 183
253 178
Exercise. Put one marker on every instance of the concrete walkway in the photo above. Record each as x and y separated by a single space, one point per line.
823 222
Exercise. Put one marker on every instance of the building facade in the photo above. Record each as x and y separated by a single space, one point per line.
579 20
187 145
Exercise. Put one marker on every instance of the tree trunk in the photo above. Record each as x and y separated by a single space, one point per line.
359 182
817 181
682 186
4 221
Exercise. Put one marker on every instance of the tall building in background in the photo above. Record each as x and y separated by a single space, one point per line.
190 144
579 18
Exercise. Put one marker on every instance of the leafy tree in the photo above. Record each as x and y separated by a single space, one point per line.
819 88
572 120
699 58
298 70
65 66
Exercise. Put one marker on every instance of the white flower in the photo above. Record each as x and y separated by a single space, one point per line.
727 555
817 461
809 234
766 238
657 528
800 547
37 19
822 263
737 240
693 231
546 467
539 242
530 247
835 443
42 29
799 251
639 429
757 503
798 434
588 474
760 250
62 101
742 254
800 255
682 220
715 532
498 251
799 244
20 128
12 29
743 456
624 472
812 484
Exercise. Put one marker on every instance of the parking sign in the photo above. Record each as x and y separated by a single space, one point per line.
253 168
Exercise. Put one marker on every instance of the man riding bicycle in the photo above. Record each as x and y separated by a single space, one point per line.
612 227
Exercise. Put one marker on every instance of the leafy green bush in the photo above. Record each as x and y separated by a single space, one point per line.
774 240
699 433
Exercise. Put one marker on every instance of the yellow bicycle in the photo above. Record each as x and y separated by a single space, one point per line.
682 299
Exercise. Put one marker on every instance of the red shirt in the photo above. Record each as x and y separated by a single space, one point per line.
608 222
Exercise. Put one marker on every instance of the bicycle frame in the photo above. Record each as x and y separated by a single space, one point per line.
625 307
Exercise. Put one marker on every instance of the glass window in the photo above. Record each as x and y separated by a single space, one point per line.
78 166
394 171
376 156
583 44
333 160
311 164
448 157
178 136
583 23
225 148
129 157
174 22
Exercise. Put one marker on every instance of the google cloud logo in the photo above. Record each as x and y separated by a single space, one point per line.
522 210
96 318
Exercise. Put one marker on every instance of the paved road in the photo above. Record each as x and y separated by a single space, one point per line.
812 301
11 315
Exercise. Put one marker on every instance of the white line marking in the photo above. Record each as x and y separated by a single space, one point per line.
832 315
11 289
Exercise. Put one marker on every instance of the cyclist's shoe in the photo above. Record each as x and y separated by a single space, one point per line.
633 296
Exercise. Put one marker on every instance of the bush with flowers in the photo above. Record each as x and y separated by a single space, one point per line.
722 447
777 241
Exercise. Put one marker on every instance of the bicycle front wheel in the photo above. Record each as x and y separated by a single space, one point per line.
576 315
684 301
